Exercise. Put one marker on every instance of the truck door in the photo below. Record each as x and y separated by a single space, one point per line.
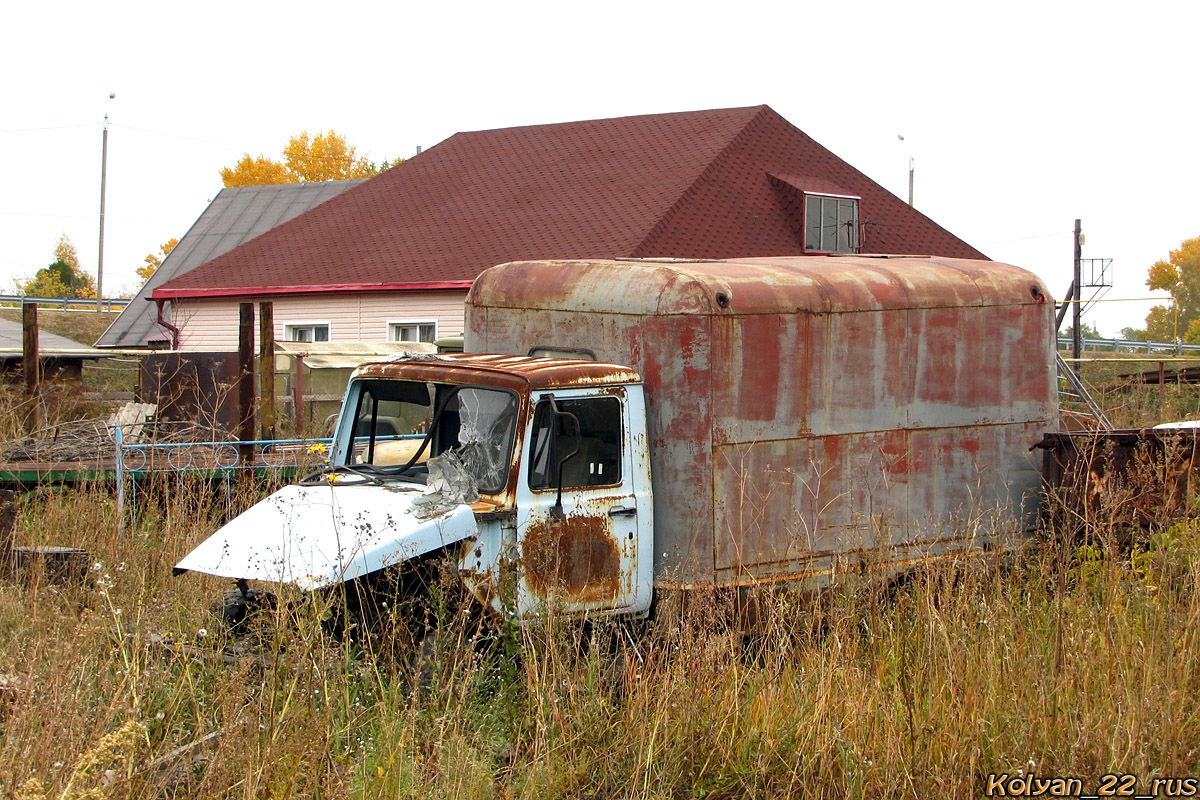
579 524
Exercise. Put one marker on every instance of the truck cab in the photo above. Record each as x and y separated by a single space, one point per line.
530 474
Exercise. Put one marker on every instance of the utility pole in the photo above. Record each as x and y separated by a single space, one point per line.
103 178
1076 336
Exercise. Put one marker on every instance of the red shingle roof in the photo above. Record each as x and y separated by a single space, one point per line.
701 184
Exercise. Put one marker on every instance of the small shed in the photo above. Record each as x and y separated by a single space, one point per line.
61 358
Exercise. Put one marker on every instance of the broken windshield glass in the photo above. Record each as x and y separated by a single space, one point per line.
393 419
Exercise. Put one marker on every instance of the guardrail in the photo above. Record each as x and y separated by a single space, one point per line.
1132 345
88 303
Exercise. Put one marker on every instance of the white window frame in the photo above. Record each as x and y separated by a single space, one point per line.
394 324
289 330
820 247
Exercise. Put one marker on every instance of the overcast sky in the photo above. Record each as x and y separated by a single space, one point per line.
1020 116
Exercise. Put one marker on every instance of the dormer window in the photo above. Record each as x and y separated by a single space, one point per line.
830 224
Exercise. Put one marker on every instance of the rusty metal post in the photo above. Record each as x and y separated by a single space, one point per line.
298 395
31 364
8 521
266 368
245 393
1162 392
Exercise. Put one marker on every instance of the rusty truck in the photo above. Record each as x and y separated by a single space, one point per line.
620 427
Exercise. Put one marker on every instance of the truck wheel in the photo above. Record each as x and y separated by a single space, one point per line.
234 608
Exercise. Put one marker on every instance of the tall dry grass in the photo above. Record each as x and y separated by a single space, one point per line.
1077 658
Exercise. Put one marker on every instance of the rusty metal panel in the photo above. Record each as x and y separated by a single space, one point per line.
191 387
804 408
1122 478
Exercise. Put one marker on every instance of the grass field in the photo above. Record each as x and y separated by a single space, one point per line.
1076 657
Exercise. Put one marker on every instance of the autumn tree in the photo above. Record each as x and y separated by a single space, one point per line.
323 157
153 261
63 277
1179 274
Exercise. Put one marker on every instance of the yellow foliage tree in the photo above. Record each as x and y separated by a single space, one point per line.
153 261
64 251
1179 274
259 171
323 157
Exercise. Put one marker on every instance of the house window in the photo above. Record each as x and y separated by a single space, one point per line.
307 332
412 331
830 224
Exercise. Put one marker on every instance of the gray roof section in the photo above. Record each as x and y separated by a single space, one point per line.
234 216
10 341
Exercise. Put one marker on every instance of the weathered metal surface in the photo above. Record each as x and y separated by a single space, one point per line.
573 560
510 372
808 406
322 535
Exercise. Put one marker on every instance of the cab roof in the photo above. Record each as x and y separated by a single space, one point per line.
512 372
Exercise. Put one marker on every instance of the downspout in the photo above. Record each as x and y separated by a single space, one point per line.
174 331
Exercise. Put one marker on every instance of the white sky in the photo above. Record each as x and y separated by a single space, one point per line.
1021 116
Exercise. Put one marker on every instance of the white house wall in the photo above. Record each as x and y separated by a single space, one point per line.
212 325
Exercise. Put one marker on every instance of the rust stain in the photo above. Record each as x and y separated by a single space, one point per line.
577 557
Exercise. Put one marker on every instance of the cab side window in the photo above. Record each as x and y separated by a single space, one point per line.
586 433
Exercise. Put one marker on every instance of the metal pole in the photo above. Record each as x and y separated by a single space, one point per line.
1075 315
912 165
103 180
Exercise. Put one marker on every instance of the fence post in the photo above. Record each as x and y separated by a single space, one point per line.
266 368
298 395
31 365
8 521
118 437
245 426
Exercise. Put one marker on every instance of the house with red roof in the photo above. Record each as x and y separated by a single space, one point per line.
392 258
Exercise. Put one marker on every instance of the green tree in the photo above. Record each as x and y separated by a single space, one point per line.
1179 274
63 277
306 157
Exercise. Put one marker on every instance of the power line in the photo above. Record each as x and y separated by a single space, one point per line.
52 127
1030 238
172 135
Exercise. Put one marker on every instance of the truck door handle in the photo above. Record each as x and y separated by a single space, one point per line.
622 511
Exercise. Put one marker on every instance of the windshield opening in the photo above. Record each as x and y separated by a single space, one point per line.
477 424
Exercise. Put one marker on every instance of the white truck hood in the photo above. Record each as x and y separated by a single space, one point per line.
316 536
